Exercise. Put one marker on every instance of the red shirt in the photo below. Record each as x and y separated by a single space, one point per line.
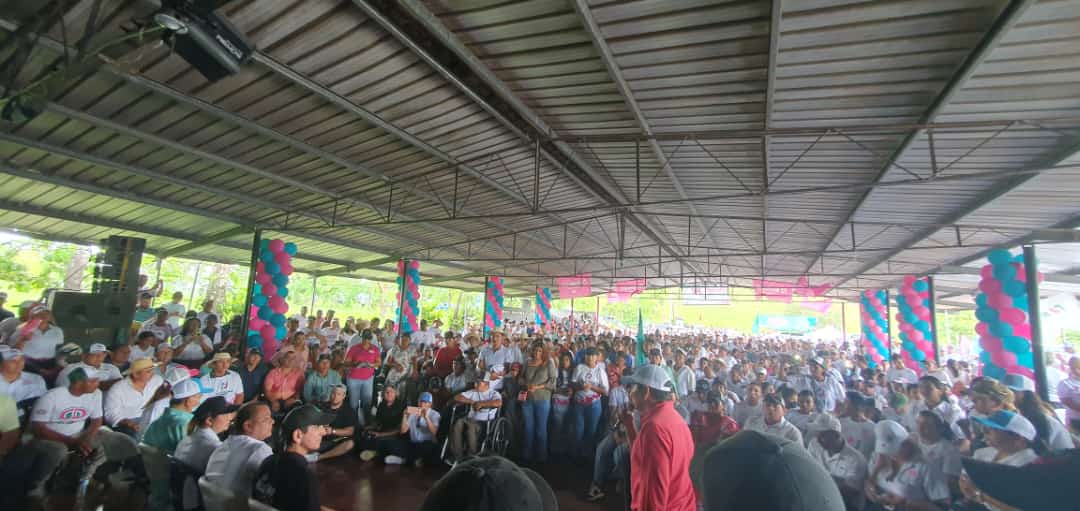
660 463
357 353
444 361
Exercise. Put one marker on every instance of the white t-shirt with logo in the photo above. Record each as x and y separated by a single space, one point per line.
859 435
595 376
227 386
66 414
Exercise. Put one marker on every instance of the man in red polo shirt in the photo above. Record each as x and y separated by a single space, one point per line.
662 448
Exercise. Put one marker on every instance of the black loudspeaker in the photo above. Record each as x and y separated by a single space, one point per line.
117 266
205 39
92 310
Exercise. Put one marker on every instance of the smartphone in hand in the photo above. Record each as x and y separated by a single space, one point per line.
412 410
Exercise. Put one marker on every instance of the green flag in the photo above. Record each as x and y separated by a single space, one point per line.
639 357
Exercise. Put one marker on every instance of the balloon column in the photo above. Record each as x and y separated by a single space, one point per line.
266 326
408 281
875 325
914 310
493 304
1002 310
543 305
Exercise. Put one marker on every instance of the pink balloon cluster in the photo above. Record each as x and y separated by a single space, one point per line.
266 324
1001 308
914 318
875 334
409 281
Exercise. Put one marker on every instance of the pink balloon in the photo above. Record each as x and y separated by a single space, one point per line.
999 300
256 324
286 269
1022 330
900 318
983 329
281 308
276 246
987 271
916 336
264 279
909 280
990 343
260 267
268 332
282 258
923 314
269 290
990 287
1012 315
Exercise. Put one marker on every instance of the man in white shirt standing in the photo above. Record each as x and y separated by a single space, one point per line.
23 387
67 419
207 309
847 466
423 337
176 310
222 381
160 326
233 464
94 358
125 401
40 338
497 354
772 420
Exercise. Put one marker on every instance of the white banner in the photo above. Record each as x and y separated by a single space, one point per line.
706 295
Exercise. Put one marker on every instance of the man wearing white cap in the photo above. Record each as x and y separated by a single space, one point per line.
38 338
67 419
846 465
223 381
93 357
1009 436
124 402
23 387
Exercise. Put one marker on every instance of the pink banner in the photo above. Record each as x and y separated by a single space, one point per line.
820 307
783 291
624 289
577 286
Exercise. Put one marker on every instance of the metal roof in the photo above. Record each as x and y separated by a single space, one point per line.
702 141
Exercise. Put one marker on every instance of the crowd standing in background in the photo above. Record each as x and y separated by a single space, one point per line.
659 416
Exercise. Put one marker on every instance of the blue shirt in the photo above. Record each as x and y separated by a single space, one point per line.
167 432
418 429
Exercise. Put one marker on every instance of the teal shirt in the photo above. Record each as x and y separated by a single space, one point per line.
142 315
317 388
167 432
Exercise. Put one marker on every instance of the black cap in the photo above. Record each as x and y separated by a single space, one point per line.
212 407
303 416
753 470
490 482
1039 485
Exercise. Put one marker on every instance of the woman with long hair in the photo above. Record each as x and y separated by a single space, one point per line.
900 477
560 399
935 440
1051 434
538 381
191 345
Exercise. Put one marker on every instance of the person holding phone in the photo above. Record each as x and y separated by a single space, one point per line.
363 359
421 423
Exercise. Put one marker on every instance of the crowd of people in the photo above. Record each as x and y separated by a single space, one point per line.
672 421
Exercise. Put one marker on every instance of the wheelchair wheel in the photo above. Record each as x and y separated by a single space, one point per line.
499 441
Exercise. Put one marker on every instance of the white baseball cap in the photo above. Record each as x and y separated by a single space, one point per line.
97 347
185 389
176 375
1004 420
823 422
890 434
652 376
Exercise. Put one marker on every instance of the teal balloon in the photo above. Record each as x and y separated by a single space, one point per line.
290 248
1014 288
981 300
257 289
280 280
273 268
283 291
909 346
918 355
922 326
999 257
254 341
986 314
264 244
1001 329
993 371
1016 344
986 358
1026 359
265 313
920 285
280 332
277 319
1004 273
267 257
1021 302
258 300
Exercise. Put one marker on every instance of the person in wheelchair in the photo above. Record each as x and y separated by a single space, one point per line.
484 404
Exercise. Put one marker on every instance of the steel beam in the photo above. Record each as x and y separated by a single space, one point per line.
1009 17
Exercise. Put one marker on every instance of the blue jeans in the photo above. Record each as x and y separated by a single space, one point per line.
586 420
360 397
557 432
611 457
536 434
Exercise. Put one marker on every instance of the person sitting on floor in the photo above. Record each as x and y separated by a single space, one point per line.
233 464
385 426
338 440
421 423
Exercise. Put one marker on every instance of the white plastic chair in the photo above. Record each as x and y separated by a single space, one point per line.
216 498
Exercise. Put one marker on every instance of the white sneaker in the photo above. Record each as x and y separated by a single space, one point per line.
394 460
368 455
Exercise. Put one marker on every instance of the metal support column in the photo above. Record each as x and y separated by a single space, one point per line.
246 313
484 316
888 322
314 291
194 282
1031 270
933 320
402 264
843 321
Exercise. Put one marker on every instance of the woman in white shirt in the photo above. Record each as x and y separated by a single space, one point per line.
191 346
1051 434
590 384
1009 436
941 455
899 477
210 420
